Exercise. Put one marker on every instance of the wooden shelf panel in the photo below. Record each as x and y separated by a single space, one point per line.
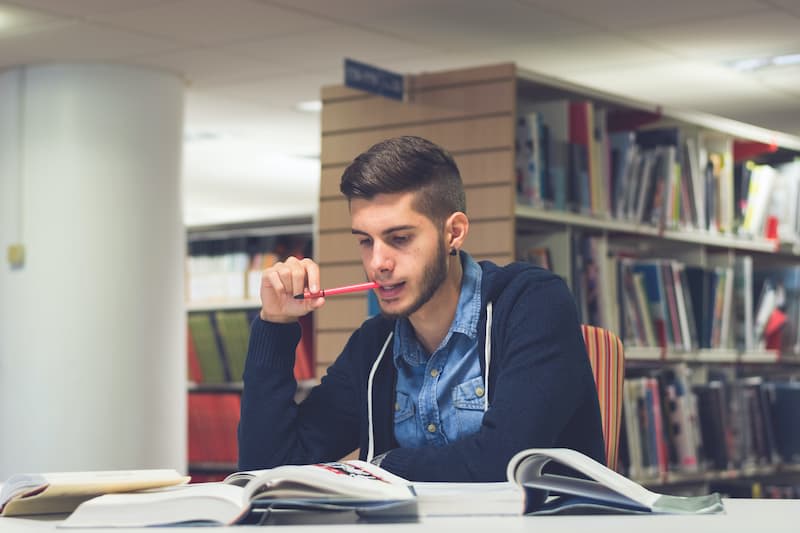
488 167
648 353
439 103
473 134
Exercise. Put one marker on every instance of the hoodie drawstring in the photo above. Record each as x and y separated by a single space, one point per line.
371 447
487 355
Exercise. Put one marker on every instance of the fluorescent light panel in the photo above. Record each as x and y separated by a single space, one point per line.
758 63
310 106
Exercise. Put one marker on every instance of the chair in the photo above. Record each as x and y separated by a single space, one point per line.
607 357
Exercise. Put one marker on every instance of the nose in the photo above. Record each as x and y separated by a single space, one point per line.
381 260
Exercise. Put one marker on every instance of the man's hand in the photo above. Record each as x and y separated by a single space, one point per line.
281 282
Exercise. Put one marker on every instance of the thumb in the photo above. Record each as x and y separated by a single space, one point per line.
316 303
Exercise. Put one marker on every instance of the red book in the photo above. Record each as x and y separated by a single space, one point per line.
658 426
303 361
213 422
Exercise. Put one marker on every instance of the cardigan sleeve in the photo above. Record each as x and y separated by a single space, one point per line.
273 429
540 385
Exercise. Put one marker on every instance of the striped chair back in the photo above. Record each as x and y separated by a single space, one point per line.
607 357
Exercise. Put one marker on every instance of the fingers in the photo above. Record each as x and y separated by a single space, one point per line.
312 274
293 276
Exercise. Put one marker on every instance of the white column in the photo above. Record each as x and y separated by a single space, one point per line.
92 326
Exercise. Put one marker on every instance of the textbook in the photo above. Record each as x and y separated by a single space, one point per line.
605 491
61 492
337 486
373 492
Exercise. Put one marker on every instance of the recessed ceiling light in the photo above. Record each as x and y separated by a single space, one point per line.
311 106
13 18
195 136
788 59
6 19
758 63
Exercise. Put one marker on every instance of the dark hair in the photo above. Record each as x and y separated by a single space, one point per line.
403 164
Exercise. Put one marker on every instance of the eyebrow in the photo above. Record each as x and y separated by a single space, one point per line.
387 231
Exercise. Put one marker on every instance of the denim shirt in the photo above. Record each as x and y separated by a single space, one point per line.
439 398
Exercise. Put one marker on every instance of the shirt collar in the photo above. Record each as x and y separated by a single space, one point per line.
468 311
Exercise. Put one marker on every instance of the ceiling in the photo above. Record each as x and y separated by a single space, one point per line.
251 154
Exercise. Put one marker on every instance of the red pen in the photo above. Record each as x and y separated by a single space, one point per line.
338 290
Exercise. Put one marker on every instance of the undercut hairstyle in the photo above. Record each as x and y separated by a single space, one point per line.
408 164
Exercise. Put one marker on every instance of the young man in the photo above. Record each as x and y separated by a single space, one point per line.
467 364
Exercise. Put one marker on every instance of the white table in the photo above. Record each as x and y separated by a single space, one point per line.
745 516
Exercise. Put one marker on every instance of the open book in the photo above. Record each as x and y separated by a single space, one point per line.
372 491
61 492
337 486
604 491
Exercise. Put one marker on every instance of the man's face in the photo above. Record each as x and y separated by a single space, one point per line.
401 249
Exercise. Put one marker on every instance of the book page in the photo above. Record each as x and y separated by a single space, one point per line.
465 499
215 503
339 480
528 465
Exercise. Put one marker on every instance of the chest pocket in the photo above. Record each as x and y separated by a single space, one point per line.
403 407
469 395
468 401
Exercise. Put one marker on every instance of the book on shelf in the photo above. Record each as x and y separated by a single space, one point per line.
567 155
195 370
760 183
622 156
218 342
213 419
233 330
655 291
62 492
784 202
681 418
784 400
689 307
539 256
709 421
207 347
531 183
531 488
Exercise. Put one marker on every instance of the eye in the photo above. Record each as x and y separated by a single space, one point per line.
364 242
399 240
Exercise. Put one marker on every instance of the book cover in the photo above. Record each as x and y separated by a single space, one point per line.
205 342
62 492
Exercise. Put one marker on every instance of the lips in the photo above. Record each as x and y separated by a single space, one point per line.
387 291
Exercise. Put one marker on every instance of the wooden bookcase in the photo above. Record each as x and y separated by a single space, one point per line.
473 113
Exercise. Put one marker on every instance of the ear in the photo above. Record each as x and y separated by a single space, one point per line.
456 228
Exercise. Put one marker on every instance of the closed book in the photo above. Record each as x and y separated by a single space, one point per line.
62 492
785 403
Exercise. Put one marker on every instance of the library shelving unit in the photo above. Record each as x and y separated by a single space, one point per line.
475 114
222 276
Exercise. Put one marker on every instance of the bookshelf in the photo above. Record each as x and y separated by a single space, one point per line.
223 269
475 113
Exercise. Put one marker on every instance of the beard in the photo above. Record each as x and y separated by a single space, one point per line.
433 276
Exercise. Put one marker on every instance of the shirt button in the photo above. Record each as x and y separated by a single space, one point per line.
479 391
431 428
434 373
396 406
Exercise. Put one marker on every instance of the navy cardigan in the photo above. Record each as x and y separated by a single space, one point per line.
541 390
